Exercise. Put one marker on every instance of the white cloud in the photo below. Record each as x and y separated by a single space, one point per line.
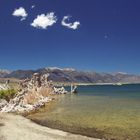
73 25
33 6
20 12
44 21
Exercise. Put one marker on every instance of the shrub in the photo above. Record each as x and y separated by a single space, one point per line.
7 94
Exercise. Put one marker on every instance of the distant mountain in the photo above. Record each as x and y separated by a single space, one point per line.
20 74
72 75
3 73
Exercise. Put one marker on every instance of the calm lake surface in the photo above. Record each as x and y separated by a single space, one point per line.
104 111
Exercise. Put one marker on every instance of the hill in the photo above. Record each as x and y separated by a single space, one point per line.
72 75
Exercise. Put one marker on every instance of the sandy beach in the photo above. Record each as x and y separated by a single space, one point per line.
15 127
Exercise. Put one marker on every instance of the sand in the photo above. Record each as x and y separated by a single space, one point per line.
15 127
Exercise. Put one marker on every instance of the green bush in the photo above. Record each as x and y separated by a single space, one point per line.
7 94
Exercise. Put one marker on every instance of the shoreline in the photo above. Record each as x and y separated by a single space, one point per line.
94 84
76 130
102 84
34 95
18 127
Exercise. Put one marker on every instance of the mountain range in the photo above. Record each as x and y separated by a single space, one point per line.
72 75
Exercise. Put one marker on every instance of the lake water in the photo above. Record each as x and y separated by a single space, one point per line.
104 111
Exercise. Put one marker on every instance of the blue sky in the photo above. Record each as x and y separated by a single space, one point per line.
107 39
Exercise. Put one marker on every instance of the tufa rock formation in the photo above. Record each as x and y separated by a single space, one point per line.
33 94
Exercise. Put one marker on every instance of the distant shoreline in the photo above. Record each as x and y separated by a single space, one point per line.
93 84
106 83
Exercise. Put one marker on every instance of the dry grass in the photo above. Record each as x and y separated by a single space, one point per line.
45 91
30 98
33 96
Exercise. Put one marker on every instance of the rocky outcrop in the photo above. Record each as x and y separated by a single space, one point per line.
4 86
3 103
33 94
60 90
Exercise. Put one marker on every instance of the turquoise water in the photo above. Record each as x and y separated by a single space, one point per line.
105 111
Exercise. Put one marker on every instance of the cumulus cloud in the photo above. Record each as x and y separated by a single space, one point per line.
20 12
44 21
73 25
